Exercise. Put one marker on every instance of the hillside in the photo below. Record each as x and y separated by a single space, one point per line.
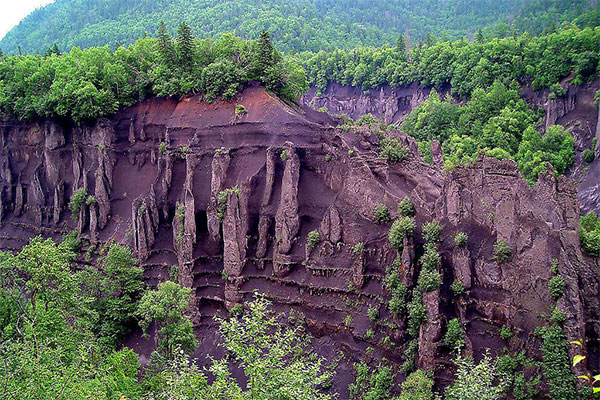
296 25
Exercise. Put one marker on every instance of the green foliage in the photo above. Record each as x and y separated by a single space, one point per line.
523 385
589 233
166 306
431 231
392 150
505 333
555 147
455 336
405 207
381 214
417 314
480 381
77 200
418 386
372 385
556 363
502 252
240 110
313 239
373 313
162 148
557 316
88 84
465 66
429 280
457 287
324 26
409 357
222 201
556 286
461 239
284 156
358 248
397 289
401 228
589 155
430 258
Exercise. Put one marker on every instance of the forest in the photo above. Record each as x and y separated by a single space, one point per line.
298 25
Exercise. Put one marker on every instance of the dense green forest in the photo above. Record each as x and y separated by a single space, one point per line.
95 82
296 25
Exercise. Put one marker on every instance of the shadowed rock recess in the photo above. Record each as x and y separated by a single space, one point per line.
230 199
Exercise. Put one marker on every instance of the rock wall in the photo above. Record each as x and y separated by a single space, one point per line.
230 201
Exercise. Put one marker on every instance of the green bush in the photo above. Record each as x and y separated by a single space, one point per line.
373 313
589 233
77 200
381 214
505 333
455 336
457 287
502 252
240 109
557 364
393 150
589 155
431 231
372 385
313 239
461 239
284 156
429 280
556 286
401 228
430 258
418 386
405 207
358 248
480 381
417 314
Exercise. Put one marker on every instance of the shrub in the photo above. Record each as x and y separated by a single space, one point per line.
162 148
455 337
358 248
418 386
409 357
477 381
240 109
405 207
77 200
313 239
461 239
284 156
400 229
372 385
588 155
457 287
373 313
369 334
429 280
392 150
431 231
505 333
222 201
557 316
502 252
90 200
557 364
430 258
328 157
589 233
556 286
381 214
322 109
417 314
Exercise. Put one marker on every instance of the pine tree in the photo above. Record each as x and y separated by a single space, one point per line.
185 46
265 52
401 47
165 45
479 38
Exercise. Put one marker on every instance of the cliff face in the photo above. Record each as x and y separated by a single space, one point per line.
576 111
230 200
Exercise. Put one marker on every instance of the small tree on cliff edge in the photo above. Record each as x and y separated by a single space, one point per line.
165 45
185 46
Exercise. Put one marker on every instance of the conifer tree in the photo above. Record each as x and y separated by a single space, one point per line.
265 51
185 46
401 47
165 45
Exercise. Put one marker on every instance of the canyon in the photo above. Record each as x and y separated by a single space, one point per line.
229 199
